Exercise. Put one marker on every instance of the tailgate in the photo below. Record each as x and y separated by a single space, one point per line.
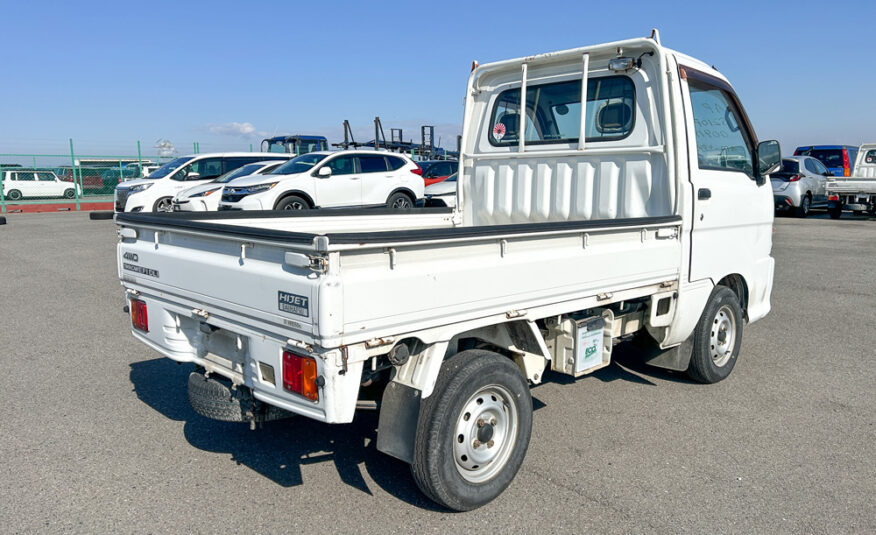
222 276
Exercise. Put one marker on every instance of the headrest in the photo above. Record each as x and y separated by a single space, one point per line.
613 118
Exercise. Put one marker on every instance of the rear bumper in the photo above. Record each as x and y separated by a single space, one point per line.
247 357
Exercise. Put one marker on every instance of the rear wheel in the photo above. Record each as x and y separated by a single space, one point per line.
14 195
805 206
835 212
399 201
473 431
164 204
717 337
293 202
69 193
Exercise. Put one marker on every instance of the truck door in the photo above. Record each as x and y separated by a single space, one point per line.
732 210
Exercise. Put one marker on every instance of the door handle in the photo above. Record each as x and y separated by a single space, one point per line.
704 194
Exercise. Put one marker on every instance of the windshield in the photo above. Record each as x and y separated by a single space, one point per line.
168 168
829 157
301 164
246 170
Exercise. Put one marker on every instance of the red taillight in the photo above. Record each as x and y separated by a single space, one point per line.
299 375
846 170
833 197
795 178
417 170
139 317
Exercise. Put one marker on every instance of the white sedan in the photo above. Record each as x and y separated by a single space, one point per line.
442 194
205 197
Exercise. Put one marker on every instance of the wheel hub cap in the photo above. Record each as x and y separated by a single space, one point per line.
486 430
722 338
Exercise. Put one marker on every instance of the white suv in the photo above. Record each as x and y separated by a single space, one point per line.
330 180
155 192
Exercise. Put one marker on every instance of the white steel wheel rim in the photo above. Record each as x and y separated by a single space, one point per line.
486 431
722 338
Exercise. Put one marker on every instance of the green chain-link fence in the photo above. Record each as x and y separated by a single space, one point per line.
70 181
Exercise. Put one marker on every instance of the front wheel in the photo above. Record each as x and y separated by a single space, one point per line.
717 338
164 204
399 201
473 431
805 206
293 202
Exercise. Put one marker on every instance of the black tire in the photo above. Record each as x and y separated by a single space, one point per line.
214 399
164 204
69 193
494 395
13 195
293 202
715 356
857 212
400 201
805 206
835 212
2 220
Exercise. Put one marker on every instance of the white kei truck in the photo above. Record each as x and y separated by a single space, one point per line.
645 215
857 192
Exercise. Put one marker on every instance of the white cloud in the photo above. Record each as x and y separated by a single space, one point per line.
246 130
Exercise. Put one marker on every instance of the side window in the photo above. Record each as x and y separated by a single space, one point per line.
235 163
372 164
342 165
810 166
202 169
870 157
722 142
24 177
553 112
819 167
394 162
45 177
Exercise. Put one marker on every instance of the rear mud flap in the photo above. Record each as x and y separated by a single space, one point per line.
397 426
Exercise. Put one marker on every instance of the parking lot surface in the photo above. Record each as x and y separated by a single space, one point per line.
98 436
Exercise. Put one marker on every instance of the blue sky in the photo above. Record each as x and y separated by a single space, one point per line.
224 73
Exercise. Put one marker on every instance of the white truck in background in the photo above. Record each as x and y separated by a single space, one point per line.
645 212
857 192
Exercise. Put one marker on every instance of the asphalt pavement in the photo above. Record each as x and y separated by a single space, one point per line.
98 436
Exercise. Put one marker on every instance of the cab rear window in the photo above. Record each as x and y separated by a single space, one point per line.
553 112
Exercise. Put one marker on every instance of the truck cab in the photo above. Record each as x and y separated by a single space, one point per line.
294 144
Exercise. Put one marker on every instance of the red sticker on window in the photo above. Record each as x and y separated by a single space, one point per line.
499 131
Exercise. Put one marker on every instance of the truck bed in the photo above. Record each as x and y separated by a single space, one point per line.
378 282
852 185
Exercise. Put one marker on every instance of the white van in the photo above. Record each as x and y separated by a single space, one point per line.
155 192
29 183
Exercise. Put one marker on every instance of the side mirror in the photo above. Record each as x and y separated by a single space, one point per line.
324 172
193 176
769 159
